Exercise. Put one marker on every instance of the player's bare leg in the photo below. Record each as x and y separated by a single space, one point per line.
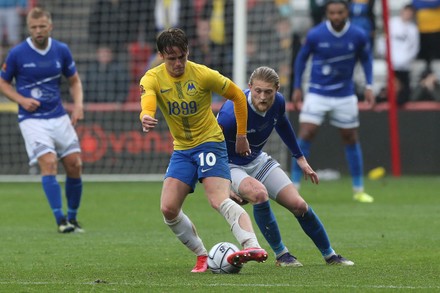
217 191
173 195
48 166
73 165
353 153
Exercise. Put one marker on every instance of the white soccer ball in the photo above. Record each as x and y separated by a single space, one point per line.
217 259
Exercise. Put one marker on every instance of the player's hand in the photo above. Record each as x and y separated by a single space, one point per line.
77 114
307 170
370 99
29 104
297 99
235 197
242 146
148 123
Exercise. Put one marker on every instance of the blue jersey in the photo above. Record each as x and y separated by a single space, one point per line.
38 75
360 15
259 128
335 55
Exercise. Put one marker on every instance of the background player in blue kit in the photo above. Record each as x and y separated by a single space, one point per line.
336 47
257 177
37 65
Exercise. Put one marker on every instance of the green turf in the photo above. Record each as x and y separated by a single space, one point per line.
127 248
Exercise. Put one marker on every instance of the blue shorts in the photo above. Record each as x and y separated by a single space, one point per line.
209 159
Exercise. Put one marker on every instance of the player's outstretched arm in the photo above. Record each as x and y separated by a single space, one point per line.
369 97
148 123
76 91
236 95
307 170
297 98
242 145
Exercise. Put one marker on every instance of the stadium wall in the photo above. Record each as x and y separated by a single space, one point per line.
419 140
123 149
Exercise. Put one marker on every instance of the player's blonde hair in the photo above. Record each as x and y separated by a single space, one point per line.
266 74
38 12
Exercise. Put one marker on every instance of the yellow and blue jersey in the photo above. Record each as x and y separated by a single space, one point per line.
185 102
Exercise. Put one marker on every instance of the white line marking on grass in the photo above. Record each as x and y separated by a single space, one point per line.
161 285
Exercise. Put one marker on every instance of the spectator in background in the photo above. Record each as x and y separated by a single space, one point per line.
428 21
107 79
172 14
262 50
428 88
202 45
362 15
219 16
11 13
317 11
404 42
116 23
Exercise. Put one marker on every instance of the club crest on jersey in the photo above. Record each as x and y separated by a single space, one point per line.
36 93
190 88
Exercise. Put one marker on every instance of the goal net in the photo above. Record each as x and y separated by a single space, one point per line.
113 44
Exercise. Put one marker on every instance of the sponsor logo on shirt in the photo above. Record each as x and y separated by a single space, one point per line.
162 91
29 65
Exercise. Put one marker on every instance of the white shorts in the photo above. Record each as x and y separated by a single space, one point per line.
343 112
55 135
264 169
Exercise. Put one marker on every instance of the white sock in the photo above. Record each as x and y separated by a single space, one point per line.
329 255
232 212
285 250
187 234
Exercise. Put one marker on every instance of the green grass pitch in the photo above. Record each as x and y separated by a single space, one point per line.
394 242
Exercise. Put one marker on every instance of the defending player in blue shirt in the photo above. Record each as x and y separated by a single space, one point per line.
257 177
336 47
37 65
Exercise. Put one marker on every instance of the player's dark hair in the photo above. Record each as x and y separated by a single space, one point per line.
409 6
170 38
266 74
328 2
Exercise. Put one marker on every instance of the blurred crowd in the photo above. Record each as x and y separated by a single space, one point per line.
121 35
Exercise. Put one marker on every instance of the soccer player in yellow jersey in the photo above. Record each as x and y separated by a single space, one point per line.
182 89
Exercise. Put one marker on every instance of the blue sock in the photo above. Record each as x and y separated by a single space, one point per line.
267 223
313 227
353 153
73 195
52 190
296 172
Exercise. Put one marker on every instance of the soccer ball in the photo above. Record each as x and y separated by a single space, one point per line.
217 259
